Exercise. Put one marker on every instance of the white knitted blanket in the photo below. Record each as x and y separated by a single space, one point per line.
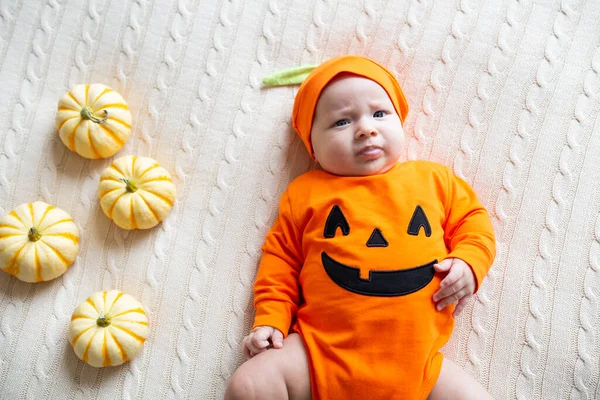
506 93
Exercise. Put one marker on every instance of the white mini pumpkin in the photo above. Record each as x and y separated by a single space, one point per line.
38 242
108 329
93 120
136 192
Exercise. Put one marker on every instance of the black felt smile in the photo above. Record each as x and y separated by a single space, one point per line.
381 282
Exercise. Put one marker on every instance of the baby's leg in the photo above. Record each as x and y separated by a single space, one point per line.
454 383
273 374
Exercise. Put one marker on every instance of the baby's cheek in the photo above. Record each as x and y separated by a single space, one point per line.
338 151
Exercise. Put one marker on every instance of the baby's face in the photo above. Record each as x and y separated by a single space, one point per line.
356 130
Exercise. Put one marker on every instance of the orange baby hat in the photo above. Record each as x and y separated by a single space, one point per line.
311 88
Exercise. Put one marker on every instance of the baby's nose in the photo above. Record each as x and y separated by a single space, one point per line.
365 129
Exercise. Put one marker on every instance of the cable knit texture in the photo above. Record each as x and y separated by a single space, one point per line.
506 93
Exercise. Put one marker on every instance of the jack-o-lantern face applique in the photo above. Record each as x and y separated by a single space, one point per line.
380 282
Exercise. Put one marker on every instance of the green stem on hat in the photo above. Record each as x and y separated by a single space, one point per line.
131 185
87 114
103 321
34 235
289 76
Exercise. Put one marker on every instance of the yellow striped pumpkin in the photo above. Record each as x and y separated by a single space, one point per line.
38 242
93 120
108 329
136 192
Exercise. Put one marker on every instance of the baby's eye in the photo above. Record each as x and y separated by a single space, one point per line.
379 114
341 122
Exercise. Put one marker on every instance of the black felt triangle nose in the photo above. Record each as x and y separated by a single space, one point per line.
377 239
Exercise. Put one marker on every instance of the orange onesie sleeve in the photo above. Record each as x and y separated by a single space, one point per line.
468 233
277 289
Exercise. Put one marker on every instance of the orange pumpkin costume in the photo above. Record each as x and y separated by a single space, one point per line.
349 261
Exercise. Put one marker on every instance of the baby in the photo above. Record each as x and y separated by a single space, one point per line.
355 291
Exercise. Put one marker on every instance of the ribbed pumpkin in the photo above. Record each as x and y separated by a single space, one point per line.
136 192
109 328
38 242
93 120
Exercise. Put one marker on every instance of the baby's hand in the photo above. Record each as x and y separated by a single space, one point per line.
260 339
458 285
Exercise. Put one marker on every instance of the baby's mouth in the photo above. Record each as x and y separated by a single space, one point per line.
370 152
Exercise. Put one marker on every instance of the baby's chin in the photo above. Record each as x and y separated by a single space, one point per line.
362 169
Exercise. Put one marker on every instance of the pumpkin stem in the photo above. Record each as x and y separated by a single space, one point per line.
34 235
131 185
103 321
87 114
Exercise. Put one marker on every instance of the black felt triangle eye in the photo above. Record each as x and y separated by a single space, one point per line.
334 220
417 221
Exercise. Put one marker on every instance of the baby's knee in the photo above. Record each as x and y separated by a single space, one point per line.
253 382
241 386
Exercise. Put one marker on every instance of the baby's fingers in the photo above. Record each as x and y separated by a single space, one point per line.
448 290
452 298
452 283
249 347
277 339
259 338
